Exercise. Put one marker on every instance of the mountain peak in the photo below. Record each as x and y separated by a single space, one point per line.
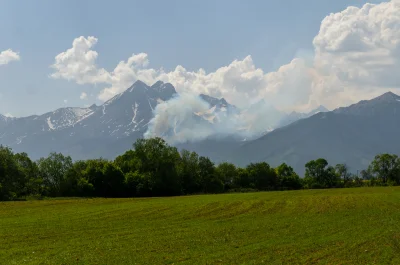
386 97
385 103
139 83
320 108
165 90
157 84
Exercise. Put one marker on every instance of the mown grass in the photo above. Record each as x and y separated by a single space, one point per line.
343 226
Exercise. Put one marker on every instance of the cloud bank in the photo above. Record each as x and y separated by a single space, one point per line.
356 56
8 56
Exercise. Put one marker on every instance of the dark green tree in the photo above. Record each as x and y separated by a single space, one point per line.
189 172
160 162
210 182
262 176
32 182
288 179
11 178
227 172
320 175
128 162
386 168
53 170
342 170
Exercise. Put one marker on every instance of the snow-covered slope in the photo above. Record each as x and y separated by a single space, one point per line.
104 130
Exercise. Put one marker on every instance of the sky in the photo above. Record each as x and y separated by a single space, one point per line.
294 54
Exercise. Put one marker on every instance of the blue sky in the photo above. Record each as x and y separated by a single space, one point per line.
194 34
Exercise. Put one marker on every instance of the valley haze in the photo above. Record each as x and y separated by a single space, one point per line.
212 127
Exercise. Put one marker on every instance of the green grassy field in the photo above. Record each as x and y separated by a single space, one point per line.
343 226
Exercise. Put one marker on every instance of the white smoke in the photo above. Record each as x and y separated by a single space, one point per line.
175 119
356 56
189 118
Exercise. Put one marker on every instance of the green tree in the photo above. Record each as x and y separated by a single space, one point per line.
11 178
320 175
53 170
107 178
227 172
189 172
262 176
342 170
210 182
137 184
386 168
32 182
288 179
128 162
160 162
242 179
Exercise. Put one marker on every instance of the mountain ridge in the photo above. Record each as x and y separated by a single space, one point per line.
351 135
358 131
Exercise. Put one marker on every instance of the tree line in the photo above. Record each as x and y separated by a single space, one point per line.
154 168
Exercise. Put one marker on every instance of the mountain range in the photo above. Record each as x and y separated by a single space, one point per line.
352 135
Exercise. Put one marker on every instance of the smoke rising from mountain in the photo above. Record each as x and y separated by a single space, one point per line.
174 119
356 56
189 118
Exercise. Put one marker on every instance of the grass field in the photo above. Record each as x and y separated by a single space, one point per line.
343 226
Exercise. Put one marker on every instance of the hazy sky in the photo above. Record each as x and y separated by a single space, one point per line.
263 36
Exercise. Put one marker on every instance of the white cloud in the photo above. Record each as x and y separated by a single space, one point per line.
8 115
65 101
357 56
360 47
78 63
83 96
8 56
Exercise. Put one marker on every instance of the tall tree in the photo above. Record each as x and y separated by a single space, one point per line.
263 176
11 178
318 174
160 162
227 172
342 170
189 171
32 182
386 167
288 179
210 182
53 170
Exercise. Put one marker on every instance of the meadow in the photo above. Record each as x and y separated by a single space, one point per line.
336 226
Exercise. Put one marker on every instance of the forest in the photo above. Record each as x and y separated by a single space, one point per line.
154 168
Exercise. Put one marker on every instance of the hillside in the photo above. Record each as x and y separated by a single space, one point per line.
351 135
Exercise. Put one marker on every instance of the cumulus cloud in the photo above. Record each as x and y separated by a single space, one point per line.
241 82
8 56
356 56
360 48
83 96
